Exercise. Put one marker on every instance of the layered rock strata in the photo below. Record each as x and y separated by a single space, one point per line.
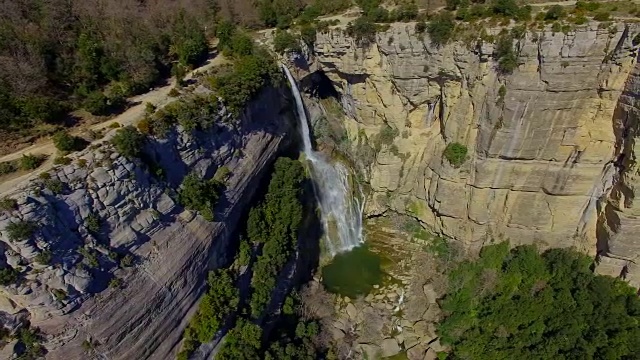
544 143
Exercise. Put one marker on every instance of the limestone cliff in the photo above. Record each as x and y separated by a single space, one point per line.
543 156
70 298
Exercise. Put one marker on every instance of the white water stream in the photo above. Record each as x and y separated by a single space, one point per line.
338 196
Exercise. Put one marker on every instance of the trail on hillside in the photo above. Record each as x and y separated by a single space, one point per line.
158 97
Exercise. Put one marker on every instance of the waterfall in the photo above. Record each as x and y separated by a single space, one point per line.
340 208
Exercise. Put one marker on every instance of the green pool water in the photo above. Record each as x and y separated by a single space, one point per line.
353 273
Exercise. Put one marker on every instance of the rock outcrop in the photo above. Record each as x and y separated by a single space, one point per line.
74 281
544 143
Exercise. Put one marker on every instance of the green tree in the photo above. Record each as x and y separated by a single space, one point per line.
520 304
440 28
128 141
188 43
198 194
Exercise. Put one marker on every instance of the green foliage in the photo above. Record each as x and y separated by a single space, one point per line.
188 42
96 103
387 135
93 223
128 141
8 204
44 257
308 35
89 257
555 12
274 223
241 45
242 82
31 162
587 5
284 41
61 160
602 16
21 230
520 304
115 283
65 142
279 13
420 27
245 252
455 153
502 92
505 54
126 261
8 276
54 185
363 30
220 301
30 340
243 342
441 27
8 167
59 294
200 195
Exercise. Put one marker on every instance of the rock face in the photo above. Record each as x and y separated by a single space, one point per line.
544 143
69 296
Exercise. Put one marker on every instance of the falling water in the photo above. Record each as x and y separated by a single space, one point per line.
432 107
600 188
340 207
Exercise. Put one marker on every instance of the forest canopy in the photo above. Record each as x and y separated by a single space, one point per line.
519 304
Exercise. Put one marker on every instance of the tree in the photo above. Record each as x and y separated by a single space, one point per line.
65 142
198 194
284 41
519 304
441 28
128 141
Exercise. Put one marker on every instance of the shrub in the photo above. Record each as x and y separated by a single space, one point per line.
555 12
198 194
441 28
308 35
65 142
8 167
502 92
505 55
174 92
455 153
587 5
89 257
126 261
241 45
602 16
44 257
8 204
115 125
363 30
284 41
54 185
244 253
96 103
62 160
92 223
60 295
149 108
247 77
21 230
128 141
31 162
8 276
420 27
82 163
115 283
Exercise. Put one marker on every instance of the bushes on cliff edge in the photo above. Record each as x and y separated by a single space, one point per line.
128 141
440 28
511 304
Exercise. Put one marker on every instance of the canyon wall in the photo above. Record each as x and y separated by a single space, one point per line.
550 155
73 297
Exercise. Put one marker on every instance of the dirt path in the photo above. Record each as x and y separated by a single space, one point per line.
158 97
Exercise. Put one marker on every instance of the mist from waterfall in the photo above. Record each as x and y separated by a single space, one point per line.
339 197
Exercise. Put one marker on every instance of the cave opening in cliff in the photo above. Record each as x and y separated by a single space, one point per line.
318 85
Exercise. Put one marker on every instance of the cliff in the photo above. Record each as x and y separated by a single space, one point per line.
551 150
73 297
